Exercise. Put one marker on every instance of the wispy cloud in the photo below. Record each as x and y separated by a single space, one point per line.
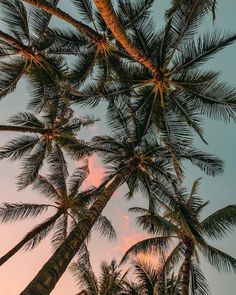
96 174
129 234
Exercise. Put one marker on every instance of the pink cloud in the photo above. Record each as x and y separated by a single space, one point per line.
96 172
129 236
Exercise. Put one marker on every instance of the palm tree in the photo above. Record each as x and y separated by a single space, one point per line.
24 50
150 280
179 224
181 88
50 136
110 280
66 198
95 45
134 157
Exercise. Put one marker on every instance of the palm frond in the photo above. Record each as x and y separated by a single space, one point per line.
198 282
10 212
85 9
11 72
220 222
18 147
60 231
15 17
218 259
26 120
39 22
66 42
77 178
159 244
45 187
210 164
105 227
32 164
57 162
197 52
133 14
85 277
145 274
41 231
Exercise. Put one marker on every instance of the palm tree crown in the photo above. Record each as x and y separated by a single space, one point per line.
180 225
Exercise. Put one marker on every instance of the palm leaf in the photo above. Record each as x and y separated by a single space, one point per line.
159 244
198 282
18 147
32 164
218 259
39 21
60 231
10 212
77 178
16 19
40 232
218 223
26 120
197 52
11 73
105 227
85 9
45 187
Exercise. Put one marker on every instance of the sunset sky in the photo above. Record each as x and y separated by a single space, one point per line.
221 191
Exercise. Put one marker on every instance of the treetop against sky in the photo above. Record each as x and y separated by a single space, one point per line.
135 97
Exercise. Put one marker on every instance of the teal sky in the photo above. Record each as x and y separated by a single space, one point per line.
221 191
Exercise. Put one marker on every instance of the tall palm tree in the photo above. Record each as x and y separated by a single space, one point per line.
181 88
118 30
110 281
133 157
96 45
66 198
179 224
50 137
24 48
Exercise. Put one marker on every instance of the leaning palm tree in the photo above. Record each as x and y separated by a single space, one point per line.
110 281
133 156
66 198
49 138
179 224
180 87
151 280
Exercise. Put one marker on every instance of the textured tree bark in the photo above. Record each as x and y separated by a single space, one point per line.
29 236
47 7
12 41
186 268
108 14
48 276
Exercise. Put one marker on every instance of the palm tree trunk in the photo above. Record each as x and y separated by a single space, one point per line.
48 276
23 129
108 14
186 268
30 236
15 43
53 10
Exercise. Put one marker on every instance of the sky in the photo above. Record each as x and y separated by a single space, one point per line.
221 191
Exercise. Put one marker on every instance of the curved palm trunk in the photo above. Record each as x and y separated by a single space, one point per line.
15 43
53 10
48 276
29 236
108 14
186 268
23 129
